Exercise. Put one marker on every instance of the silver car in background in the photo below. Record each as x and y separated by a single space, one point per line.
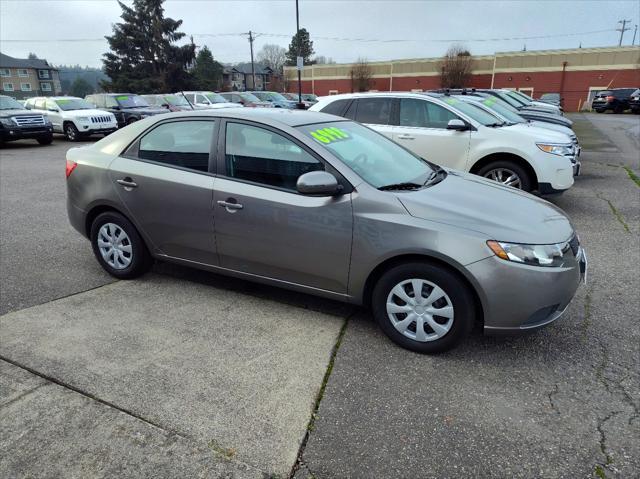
319 204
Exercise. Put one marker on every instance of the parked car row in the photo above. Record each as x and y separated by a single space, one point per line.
617 100
480 132
17 123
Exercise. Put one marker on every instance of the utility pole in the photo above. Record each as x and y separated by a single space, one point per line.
622 30
635 30
298 66
253 69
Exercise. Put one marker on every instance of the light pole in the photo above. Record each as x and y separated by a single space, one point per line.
298 62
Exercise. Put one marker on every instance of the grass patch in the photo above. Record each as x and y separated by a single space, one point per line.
600 472
616 214
225 452
635 178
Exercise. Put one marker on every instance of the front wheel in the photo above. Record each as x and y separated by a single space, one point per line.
507 173
118 246
423 307
45 140
71 132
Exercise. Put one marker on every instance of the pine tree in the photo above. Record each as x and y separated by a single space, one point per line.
143 56
207 73
306 48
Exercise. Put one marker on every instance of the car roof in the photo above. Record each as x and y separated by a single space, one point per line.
274 116
390 94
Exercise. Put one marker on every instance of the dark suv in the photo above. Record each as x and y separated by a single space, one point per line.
16 123
127 107
616 100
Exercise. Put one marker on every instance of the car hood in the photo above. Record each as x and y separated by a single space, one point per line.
548 117
553 126
8 113
500 212
81 113
539 134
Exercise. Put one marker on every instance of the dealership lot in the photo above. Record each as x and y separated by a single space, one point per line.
189 374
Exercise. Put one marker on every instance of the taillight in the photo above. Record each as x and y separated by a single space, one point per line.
71 165
611 98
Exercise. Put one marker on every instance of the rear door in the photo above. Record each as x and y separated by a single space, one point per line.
423 129
373 112
165 180
264 226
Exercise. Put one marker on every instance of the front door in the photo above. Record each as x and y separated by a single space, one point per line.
54 114
264 227
165 184
423 130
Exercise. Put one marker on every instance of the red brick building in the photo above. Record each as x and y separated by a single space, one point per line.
576 74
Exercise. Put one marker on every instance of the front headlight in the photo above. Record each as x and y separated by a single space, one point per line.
7 122
556 149
548 255
83 119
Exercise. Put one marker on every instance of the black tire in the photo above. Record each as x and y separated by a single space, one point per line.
131 120
599 111
45 140
71 132
618 109
140 259
526 182
457 291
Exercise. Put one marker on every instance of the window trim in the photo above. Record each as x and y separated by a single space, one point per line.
4 86
7 74
26 72
22 86
47 74
42 84
347 187
132 150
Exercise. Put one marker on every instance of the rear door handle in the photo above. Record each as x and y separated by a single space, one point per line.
127 182
230 206
406 137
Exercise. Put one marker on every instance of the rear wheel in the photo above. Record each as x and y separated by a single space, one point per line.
507 173
423 307
118 247
71 132
131 120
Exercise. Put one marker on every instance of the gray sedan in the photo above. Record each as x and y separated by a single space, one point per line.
315 203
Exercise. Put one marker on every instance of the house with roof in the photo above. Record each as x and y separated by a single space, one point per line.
26 77
239 78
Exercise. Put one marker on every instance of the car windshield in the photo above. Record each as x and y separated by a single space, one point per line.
275 96
475 112
309 96
69 104
175 100
507 99
131 101
8 103
378 160
496 105
550 97
249 97
522 95
215 98
517 98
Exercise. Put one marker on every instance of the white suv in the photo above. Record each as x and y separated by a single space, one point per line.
208 99
463 136
73 116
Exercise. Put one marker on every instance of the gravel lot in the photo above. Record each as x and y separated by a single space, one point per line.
160 378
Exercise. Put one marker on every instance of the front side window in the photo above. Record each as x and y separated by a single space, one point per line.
473 111
424 114
70 104
131 101
215 98
378 160
39 103
262 156
182 143
376 111
51 105
110 102
336 107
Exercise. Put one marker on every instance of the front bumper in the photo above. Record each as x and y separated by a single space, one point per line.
18 133
517 298
93 129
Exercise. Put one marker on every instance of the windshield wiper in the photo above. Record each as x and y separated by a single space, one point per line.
493 125
400 186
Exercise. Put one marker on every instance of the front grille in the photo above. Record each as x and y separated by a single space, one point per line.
100 119
31 120
574 244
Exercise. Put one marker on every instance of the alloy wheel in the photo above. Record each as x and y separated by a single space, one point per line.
504 176
420 310
71 132
115 246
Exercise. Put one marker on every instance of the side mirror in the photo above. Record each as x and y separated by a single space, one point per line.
318 183
457 125
53 109
115 107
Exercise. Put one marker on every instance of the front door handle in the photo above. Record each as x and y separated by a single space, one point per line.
127 182
230 206
406 137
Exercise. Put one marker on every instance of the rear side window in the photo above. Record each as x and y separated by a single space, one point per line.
262 156
182 143
40 104
376 111
336 107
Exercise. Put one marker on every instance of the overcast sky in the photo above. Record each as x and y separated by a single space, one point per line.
428 27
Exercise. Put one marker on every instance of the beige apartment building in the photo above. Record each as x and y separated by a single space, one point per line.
23 78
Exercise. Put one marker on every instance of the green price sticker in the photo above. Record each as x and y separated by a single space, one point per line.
451 101
63 102
489 101
122 98
329 135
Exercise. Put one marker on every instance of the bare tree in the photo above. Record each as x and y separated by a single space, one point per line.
456 67
273 56
361 74
322 60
